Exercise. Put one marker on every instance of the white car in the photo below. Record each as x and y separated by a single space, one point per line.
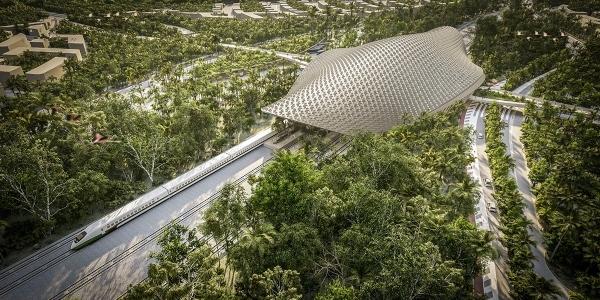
487 182
492 207
480 135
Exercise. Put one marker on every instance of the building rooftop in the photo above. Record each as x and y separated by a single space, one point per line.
58 51
374 86
8 69
15 39
72 38
48 66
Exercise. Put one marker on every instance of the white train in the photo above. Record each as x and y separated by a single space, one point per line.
131 210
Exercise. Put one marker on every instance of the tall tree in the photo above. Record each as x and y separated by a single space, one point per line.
186 268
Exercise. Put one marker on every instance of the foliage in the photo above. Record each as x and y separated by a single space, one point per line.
525 284
59 42
534 68
14 12
508 44
116 60
185 268
251 6
183 118
30 60
274 284
575 81
293 44
338 3
256 31
84 8
299 5
588 6
390 23
127 24
565 170
387 198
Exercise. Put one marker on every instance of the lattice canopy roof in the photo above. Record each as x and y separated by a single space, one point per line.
371 87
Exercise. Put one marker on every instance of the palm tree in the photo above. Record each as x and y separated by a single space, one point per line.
544 289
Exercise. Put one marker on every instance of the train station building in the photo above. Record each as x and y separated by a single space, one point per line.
373 87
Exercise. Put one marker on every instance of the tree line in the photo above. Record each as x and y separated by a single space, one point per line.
506 44
562 153
524 283
575 81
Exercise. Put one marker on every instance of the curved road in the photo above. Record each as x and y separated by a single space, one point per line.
104 269
498 287
512 135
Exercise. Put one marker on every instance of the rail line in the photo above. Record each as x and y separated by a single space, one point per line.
40 254
150 238
140 244
126 253
333 142
62 256
52 248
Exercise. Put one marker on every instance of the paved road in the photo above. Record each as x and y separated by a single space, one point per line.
495 281
287 56
104 269
512 135
488 221
527 88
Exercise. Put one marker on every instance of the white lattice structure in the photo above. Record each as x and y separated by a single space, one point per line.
373 86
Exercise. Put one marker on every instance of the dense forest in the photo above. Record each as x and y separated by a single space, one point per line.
575 81
389 219
563 156
511 42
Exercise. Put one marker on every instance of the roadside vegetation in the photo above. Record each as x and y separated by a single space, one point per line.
563 156
364 225
524 283
534 68
508 44
294 44
575 81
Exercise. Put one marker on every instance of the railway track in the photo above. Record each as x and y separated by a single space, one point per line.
60 244
149 239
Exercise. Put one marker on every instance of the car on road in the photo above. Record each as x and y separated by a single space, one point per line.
492 207
480 135
487 182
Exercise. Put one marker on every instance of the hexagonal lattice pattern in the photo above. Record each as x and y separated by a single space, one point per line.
371 87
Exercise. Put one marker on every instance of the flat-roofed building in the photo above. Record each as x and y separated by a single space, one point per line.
15 41
39 43
75 41
69 53
6 72
38 30
50 69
